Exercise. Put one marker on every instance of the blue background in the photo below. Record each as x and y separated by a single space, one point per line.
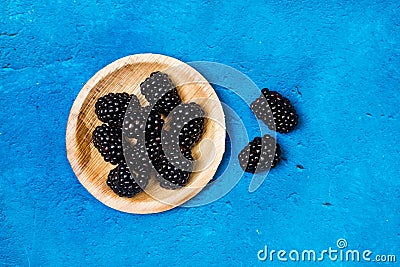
338 62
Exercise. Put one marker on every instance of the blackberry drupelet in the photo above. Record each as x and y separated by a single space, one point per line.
125 183
258 156
160 92
108 141
281 111
187 123
111 108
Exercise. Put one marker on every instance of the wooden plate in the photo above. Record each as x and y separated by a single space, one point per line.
125 75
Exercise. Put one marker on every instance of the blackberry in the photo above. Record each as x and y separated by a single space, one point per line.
108 141
145 122
184 159
154 150
172 166
126 183
180 156
134 124
281 111
111 108
187 123
168 102
171 177
153 129
136 158
174 171
154 123
258 155
160 92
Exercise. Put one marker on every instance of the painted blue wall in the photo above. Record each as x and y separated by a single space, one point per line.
338 62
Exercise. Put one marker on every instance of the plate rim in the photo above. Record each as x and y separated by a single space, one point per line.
72 122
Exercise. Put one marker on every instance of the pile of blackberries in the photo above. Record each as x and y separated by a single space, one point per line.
149 147
276 111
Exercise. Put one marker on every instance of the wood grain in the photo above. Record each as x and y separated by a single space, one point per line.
125 75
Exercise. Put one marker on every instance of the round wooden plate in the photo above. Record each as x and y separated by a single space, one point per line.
125 75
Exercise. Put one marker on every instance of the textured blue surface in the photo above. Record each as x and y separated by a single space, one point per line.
338 62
